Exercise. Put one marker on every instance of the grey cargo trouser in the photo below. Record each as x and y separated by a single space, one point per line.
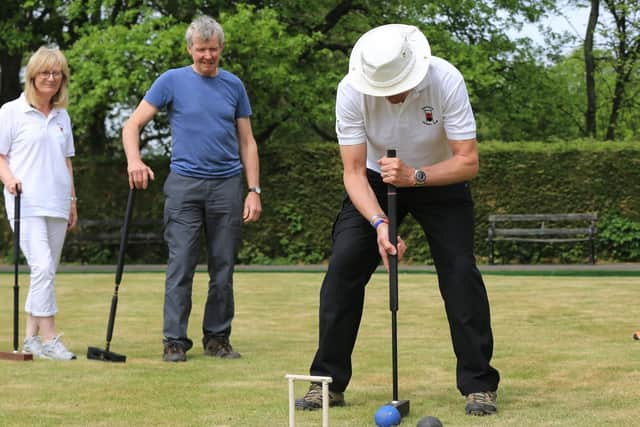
192 204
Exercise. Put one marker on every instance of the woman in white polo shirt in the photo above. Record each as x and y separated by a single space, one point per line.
36 146
397 96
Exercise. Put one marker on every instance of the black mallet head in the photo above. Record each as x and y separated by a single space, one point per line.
95 353
429 422
402 406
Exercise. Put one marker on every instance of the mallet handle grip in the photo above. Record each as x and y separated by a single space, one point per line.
124 235
392 213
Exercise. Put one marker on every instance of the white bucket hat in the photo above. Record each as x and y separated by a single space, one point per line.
389 60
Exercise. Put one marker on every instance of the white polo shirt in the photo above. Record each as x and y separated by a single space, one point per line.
435 111
36 148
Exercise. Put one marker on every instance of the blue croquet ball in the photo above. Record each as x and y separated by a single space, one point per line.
429 422
387 416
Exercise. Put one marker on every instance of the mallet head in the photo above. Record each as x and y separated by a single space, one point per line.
402 406
94 353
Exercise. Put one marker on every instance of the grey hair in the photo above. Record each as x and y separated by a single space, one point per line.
206 28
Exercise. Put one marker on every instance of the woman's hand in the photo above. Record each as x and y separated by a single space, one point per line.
14 186
73 215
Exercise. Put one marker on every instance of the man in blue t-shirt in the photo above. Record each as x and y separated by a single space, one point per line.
212 144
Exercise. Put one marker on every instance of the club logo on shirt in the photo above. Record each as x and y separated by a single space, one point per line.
428 116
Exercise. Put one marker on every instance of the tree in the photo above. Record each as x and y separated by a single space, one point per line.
24 26
28 24
115 67
624 40
291 58
611 48
590 70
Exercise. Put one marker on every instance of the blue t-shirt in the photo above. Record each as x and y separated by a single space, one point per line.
202 113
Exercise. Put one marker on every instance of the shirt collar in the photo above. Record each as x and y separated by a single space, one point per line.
25 107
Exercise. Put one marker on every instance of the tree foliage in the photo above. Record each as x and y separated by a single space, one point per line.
623 38
612 58
291 57
112 70
24 25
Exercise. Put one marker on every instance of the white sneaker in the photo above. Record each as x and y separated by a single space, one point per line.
55 350
32 345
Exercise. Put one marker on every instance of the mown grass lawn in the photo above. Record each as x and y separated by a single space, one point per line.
562 344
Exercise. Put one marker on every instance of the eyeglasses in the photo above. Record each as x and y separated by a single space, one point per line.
46 74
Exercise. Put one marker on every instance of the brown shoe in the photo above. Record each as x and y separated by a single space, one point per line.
219 347
483 403
173 352
313 398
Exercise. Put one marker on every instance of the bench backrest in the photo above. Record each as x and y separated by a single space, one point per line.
592 216
541 225
109 231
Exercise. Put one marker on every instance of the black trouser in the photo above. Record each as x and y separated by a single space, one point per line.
446 215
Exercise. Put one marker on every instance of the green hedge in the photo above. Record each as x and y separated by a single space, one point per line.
580 176
303 191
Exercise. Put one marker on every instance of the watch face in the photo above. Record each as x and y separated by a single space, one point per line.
256 190
421 177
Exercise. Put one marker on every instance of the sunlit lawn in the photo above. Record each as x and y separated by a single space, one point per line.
563 347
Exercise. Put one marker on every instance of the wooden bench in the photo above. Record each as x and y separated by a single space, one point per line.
545 228
108 231
102 236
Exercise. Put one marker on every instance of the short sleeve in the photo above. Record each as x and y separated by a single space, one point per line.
350 126
6 130
69 146
459 123
244 106
159 94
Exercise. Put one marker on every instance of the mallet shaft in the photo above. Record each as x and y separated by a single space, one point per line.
16 263
392 213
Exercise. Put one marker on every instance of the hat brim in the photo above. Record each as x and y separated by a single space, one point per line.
422 52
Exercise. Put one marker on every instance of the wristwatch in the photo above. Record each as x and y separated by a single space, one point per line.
256 190
421 177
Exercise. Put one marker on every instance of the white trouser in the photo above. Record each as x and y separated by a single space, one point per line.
41 241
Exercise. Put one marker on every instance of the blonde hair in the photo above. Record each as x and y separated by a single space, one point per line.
47 59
